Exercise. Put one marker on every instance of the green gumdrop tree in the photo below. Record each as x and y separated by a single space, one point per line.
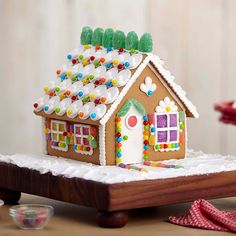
86 36
145 43
107 38
131 41
97 37
118 40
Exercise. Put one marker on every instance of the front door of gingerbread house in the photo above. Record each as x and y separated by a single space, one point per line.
131 126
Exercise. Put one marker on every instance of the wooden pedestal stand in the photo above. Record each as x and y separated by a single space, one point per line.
114 200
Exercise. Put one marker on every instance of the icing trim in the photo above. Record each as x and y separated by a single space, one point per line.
102 145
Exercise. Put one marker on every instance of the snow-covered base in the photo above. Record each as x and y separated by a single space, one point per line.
196 163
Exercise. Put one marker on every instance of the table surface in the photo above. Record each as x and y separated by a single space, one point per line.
72 220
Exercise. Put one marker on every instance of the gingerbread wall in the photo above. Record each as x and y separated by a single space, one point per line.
71 154
150 103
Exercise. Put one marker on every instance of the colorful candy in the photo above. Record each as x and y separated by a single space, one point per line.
161 165
132 167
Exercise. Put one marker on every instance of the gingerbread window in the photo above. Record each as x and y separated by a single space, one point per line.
81 139
57 130
167 128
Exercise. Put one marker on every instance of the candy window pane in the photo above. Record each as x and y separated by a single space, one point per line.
61 137
85 131
161 121
77 130
61 127
173 120
86 142
54 126
173 135
78 140
161 136
54 137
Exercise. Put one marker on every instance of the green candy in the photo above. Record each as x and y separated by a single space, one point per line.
182 126
57 89
125 137
145 157
145 43
131 42
97 37
118 40
57 110
107 38
90 138
86 36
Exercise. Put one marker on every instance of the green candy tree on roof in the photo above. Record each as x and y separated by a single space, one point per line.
145 43
97 37
118 40
131 41
107 38
86 36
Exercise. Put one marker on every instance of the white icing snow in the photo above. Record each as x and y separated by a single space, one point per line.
196 163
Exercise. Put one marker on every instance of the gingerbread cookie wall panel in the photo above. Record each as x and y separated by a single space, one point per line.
150 102
72 140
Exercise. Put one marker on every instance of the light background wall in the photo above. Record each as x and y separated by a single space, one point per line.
195 38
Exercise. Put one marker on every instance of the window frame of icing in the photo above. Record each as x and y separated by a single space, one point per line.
168 129
58 133
82 136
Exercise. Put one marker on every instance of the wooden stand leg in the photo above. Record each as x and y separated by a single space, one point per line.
9 196
115 219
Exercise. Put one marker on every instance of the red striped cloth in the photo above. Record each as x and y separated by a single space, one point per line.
204 215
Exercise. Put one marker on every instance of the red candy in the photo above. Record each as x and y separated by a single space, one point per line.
64 133
121 49
35 105
88 149
118 135
74 61
120 67
92 58
145 122
146 142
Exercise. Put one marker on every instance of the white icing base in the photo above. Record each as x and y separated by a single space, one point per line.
196 163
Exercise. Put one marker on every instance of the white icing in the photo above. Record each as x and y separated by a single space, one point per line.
111 95
98 112
51 105
63 106
166 105
123 77
195 163
86 110
74 108
102 147
135 60
41 102
148 87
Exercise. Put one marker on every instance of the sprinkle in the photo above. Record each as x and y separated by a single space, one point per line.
80 93
102 59
93 115
58 71
126 64
80 75
46 108
161 165
86 46
115 62
46 89
57 110
36 105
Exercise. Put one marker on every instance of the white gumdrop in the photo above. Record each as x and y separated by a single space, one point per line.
110 56
85 110
41 102
51 105
98 112
111 74
135 60
65 84
88 70
74 108
99 71
111 95
88 53
123 77
63 106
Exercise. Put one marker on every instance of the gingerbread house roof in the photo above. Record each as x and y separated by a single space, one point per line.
95 80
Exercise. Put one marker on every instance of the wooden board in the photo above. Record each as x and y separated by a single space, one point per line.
113 200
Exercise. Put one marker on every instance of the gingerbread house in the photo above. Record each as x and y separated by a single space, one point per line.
114 103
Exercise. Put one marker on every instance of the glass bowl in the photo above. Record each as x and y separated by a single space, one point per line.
31 216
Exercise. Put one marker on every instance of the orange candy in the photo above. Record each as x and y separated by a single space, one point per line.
97 47
103 99
103 80
81 114
102 59
145 132
68 93
58 71
119 144
145 152
118 119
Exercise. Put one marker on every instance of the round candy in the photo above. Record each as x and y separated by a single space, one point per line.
93 115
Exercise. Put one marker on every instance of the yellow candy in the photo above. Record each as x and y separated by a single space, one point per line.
61 96
46 89
85 62
69 111
118 160
84 80
114 82
115 62
168 109
68 73
169 145
91 96
86 46
145 137
46 131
